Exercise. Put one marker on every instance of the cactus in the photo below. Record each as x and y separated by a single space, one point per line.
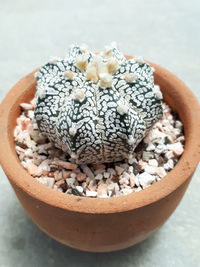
97 108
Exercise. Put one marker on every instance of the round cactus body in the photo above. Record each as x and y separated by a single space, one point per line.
97 108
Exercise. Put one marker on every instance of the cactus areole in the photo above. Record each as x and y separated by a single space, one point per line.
97 108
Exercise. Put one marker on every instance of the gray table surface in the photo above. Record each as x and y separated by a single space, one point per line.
165 32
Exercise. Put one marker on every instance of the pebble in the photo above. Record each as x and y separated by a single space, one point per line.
132 180
138 189
31 115
169 165
102 191
142 164
73 175
147 155
81 177
119 170
59 183
169 154
99 176
137 183
28 153
47 181
178 124
99 171
123 180
180 139
92 185
20 150
145 179
161 148
79 188
91 193
153 162
106 175
131 160
66 165
66 174
177 148
70 181
150 169
87 170
26 106
150 147
138 167
160 171
111 171
114 187
126 191
32 168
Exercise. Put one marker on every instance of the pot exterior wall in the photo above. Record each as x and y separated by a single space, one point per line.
100 232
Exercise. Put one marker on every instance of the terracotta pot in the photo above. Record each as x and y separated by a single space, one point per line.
92 224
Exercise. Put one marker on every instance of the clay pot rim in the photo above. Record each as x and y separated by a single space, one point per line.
182 171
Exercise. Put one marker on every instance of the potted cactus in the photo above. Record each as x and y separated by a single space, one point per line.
97 109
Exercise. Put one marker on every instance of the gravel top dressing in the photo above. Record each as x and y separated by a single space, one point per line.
153 158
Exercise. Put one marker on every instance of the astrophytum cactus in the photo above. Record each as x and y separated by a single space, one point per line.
97 108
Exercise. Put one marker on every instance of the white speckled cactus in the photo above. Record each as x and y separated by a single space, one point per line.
97 108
